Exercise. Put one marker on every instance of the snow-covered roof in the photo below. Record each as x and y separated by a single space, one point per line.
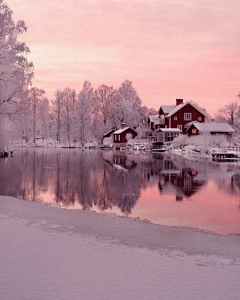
176 109
190 123
167 108
169 130
180 106
214 127
119 131
153 117
109 132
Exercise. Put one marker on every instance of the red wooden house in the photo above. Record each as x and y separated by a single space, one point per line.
120 136
180 115
211 128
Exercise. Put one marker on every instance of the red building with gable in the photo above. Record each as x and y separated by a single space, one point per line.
120 136
179 116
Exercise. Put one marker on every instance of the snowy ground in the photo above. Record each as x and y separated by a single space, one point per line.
53 253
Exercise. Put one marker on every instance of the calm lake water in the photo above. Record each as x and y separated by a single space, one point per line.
163 189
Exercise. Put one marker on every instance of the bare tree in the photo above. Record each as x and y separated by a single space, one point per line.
229 112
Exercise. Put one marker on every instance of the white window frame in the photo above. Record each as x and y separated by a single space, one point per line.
179 127
187 116
175 118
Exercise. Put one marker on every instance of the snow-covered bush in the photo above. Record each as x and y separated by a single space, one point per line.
128 136
138 145
108 141
179 141
203 142
207 141
143 131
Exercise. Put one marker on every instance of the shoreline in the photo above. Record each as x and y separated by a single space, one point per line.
52 253
122 230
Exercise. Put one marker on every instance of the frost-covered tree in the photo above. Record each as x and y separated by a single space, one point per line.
202 110
229 113
104 96
44 119
55 113
68 102
16 72
35 97
128 107
103 109
83 113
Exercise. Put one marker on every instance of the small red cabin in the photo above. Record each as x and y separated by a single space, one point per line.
120 136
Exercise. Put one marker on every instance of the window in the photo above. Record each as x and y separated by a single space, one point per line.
175 118
169 136
199 118
194 131
187 116
179 127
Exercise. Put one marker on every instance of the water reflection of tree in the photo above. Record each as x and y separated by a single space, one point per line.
231 186
69 176
121 182
100 179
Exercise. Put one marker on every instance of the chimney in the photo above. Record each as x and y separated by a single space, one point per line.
123 125
179 101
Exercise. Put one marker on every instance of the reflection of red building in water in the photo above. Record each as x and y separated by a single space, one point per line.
180 182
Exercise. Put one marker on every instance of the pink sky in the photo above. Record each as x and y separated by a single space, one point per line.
170 49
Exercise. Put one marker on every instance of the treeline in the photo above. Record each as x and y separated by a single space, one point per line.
77 117
71 117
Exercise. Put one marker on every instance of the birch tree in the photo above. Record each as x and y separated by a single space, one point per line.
229 112
16 73
67 109
56 114
102 106
128 105
35 97
83 112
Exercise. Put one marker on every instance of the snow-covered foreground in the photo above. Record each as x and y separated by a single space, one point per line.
52 253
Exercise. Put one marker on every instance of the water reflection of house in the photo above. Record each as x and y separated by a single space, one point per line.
120 161
164 164
179 182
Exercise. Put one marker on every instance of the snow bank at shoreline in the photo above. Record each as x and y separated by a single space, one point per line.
52 253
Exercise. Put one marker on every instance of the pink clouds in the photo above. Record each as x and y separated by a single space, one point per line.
168 49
